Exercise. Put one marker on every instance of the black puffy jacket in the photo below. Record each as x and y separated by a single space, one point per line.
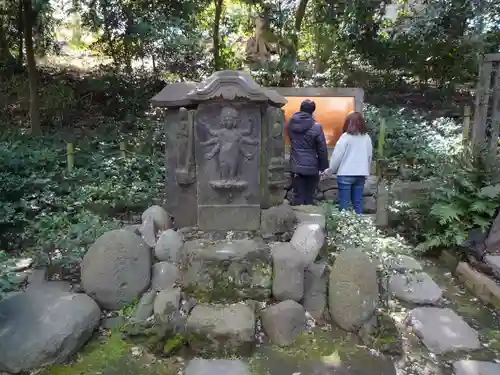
309 154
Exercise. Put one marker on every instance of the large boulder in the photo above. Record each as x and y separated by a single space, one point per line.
169 246
442 330
278 221
308 239
165 275
288 272
353 290
161 219
221 329
315 289
43 327
116 269
284 322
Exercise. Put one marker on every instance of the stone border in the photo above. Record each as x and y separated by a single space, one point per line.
357 93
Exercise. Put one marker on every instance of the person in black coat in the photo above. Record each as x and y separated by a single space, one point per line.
309 155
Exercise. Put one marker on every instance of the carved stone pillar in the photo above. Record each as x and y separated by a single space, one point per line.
181 167
273 179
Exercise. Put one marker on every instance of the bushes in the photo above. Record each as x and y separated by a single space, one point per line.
462 195
347 230
413 145
55 214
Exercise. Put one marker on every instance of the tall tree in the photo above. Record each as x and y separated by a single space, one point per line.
34 105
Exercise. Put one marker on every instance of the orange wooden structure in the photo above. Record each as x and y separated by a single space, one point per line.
330 113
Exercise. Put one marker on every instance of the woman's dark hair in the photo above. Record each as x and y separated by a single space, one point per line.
355 124
308 106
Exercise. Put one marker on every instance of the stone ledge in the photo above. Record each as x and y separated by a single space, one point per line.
481 286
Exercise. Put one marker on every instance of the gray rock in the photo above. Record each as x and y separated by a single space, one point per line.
494 262
308 238
284 322
369 205
169 246
113 322
371 186
493 241
416 288
331 195
161 218
37 276
200 366
221 329
442 330
165 275
315 289
277 220
148 231
116 269
166 304
134 228
353 289
327 184
59 285
467 367
288 272
144 308
40 329
403 263
311 218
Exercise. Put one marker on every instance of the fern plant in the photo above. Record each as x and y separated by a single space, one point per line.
463 197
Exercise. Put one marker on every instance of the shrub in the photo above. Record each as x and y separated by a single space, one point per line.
462 196
55 214
413 143
347 230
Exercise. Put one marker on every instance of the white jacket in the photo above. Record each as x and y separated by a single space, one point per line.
352 156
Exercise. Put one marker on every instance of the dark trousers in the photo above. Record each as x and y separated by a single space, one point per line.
304 187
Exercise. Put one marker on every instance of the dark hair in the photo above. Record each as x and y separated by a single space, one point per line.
308 106
355 124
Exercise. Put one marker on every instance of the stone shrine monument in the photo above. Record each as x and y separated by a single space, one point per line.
225 151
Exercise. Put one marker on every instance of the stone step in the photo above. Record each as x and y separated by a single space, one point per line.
418 288
467 367
442 330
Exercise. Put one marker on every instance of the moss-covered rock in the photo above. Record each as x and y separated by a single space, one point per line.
227 272
113 356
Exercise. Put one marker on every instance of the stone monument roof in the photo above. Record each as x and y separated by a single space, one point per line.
174 95
230 85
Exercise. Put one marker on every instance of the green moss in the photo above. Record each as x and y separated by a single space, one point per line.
174 344
113 356
95 357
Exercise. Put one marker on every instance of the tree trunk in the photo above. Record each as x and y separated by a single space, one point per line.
20 33
288 74
218 63
32 71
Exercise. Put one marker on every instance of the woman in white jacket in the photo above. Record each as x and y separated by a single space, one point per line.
351 161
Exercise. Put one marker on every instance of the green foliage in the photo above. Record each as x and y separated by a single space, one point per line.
413 146
462 197
347 230
9 279
57 214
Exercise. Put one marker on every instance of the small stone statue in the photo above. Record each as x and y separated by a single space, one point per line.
228 144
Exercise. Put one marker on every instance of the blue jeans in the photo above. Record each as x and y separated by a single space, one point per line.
351 191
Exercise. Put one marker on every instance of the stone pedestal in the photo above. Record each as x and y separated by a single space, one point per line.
225 151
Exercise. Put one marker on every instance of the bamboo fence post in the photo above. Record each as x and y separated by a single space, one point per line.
382 213
122 150
70 156
466 130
